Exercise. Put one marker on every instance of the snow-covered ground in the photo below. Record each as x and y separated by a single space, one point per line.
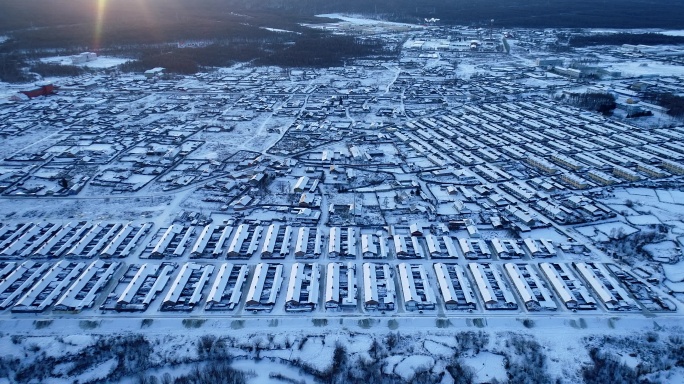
279 30
99 62
644 67
362 20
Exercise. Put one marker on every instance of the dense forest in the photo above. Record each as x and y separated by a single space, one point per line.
603 103
151 33
19 14
673 103
317 50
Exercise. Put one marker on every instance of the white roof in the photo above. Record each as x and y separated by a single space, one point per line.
118 239
77 249
464 284
37 288
295 284
287 239
254 242
301 183
135 284
238 238
159 284
446 286
334 241
400 245
199 286
181 280
216 292
368 245
482 282
270 239
408 286
433 244
520 284
558 284
465 246
203 239
134 241
69 299
257 284
302 241
225 234
104 239
350 299
595 283
449 243
237 289
166 239
499 247
43 250
531 245
351 241
503 286
332 286
370 288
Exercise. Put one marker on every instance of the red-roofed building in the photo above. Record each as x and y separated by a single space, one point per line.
42 90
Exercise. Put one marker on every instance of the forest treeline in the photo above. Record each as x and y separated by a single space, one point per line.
151 33
603 103
21 14
673 103
319 51
235 30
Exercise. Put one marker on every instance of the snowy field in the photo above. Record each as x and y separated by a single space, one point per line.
645 68
361 20
99 62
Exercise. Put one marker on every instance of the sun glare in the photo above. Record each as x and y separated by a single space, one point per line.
99 21
138 7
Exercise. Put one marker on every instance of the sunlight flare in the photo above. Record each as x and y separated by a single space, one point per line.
99 23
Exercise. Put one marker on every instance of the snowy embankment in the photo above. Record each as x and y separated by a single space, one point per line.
374 349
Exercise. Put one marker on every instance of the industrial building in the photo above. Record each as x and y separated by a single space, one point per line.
186 290
570 291
532 291
142 285
494 291
415 287
341 288
607 288
454 287
303 287
378 287
82 294
264 287
226 292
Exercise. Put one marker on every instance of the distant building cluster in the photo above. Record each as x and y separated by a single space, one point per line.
83 58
